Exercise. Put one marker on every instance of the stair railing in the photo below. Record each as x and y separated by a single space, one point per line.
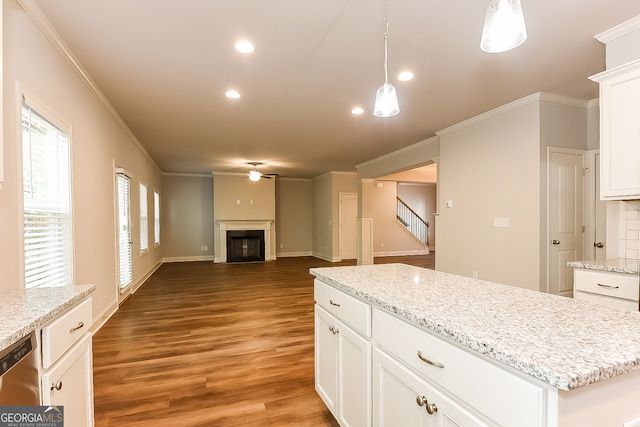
412 221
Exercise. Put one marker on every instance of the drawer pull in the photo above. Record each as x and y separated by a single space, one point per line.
425 360
56 386
80 325
334 330
332 302
608 286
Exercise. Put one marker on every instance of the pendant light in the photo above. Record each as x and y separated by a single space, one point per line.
504 27
386 99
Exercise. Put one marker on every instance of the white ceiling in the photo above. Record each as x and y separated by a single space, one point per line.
165 65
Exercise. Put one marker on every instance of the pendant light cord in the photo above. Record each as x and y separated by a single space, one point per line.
386 37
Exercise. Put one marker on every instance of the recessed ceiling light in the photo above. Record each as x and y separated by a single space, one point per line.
357 110
244 46
232 94
405 75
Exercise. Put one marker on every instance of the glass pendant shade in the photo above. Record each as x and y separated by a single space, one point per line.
254 175
386 101
504 27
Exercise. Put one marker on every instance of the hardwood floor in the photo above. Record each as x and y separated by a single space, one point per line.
204 344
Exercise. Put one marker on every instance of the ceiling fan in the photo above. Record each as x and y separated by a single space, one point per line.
255 174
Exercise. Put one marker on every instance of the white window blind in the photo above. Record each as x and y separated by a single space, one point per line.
125 270
144 219
156 217
46 180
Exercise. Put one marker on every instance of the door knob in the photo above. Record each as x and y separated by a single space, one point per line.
599 245
555 242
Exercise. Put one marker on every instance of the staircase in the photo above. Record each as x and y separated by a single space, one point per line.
417 226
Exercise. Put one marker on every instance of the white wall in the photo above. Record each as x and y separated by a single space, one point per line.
98 140
294 216
187 217
490 168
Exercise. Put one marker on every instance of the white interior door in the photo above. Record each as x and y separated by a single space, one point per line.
566 213
348 225
123 199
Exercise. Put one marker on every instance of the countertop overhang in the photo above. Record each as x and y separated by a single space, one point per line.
25 310
566 343
614 265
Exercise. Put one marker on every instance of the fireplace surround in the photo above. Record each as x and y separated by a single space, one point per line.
231 227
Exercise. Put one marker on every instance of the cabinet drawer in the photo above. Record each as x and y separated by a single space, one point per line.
345 307
617 285
608 301
503 396
59 335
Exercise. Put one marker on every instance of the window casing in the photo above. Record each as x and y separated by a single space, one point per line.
144 220
46 182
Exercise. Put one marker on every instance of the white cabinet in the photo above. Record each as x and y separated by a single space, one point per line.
69 383
467 378
620 132
67 365
613 289
343 355
402 398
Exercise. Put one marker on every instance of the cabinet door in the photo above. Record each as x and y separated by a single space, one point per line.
69 383
326 358
397 393
452 414
354 378
620 133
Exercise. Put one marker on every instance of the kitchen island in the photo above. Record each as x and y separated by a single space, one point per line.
577 362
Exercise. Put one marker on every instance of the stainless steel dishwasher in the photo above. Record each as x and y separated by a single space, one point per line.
19 385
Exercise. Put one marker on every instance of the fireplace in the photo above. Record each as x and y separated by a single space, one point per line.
248 247
245 245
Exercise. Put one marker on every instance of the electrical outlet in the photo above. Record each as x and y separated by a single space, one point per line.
448 204
474 274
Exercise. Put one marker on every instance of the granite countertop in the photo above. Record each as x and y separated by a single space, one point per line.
564 342
25 310
616 265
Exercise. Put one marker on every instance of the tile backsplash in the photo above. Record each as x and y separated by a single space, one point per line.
629 229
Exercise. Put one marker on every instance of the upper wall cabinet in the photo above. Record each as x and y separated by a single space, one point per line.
620 132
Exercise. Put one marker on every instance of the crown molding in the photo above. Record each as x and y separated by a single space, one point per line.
534 98
619 30
42 23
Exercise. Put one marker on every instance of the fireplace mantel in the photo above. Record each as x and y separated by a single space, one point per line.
243 225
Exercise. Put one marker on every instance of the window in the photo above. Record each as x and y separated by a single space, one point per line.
144 219
156 217
46 182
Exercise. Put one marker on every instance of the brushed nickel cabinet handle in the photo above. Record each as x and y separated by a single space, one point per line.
56 386
432 363
80 325
332 302
608 286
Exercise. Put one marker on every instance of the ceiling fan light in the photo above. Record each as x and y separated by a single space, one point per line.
504 26
386 101
254 175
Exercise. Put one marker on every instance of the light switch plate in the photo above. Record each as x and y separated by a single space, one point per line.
501 222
